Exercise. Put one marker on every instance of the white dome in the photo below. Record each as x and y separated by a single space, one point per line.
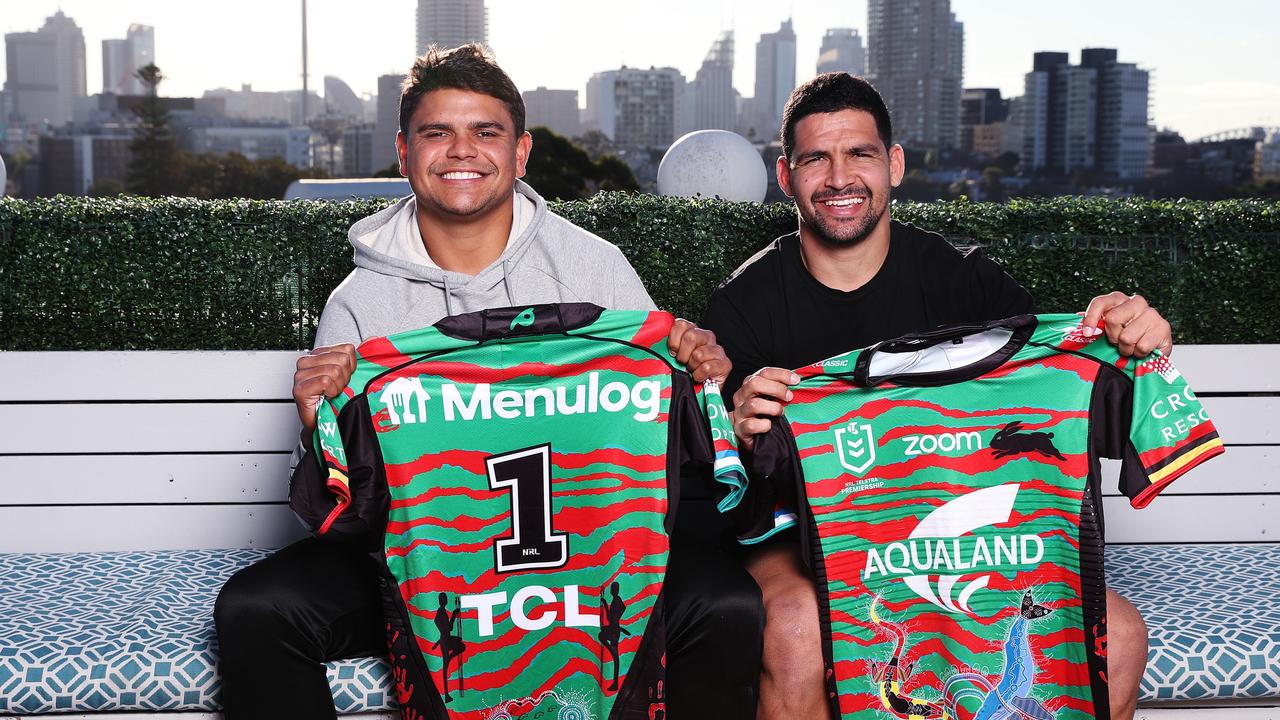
713 163
2 177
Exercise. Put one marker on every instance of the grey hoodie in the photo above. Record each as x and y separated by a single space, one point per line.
551 260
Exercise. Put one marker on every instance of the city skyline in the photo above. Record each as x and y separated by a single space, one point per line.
1223 84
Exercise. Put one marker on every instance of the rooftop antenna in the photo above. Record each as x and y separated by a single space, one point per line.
304 62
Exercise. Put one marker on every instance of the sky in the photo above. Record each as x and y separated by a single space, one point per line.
1213 67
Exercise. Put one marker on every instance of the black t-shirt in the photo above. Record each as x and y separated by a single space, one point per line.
772 313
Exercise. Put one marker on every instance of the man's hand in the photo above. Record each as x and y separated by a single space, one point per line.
321 374
1131 324
697 350
759 400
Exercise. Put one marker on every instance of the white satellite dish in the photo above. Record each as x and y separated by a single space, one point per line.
713 163
2 177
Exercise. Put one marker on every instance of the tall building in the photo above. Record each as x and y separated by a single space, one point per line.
45 71
122 58
636 107
115 66
70 163
775 79
1092 116
450 23
553 109
357 150
387 123
842 52
915 58
980 107
714 102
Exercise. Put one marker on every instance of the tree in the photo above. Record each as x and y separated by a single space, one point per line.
106 187
560 170
234 175
992 184
155 165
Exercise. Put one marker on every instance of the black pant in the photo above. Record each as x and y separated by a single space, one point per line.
314 601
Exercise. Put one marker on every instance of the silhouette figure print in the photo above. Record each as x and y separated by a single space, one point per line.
451 646
611 628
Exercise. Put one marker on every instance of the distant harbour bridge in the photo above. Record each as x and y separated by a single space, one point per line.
1256 132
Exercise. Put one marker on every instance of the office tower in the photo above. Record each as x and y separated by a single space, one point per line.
388 122
775 79
45 71
1092 116
122 58
636 107
553 109
980 107
915 58
842 52
712 95
450 23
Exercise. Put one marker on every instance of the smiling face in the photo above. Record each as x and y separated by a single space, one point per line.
839 175
461 153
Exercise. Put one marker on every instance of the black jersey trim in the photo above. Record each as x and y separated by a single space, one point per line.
1022 326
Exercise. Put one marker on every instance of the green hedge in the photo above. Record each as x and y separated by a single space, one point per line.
173 273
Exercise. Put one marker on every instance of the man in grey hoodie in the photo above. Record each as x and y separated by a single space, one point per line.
471 237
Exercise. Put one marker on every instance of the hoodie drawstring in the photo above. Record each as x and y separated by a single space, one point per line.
511 301
448 306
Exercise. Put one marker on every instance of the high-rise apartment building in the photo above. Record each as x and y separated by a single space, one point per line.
980 107
45 71
775 78
387 123
842 51
450 23
636 107
553 109
915 58
1091 116
122 58
714 101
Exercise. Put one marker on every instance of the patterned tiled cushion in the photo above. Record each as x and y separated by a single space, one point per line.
1213 616
129 631
134 631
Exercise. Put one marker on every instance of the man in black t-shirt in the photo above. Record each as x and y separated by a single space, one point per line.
851 277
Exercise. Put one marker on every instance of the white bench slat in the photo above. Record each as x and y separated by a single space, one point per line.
148 427
1229 368
150 375
1248 469
267 427
146 527
177 479
1179 518
1248 420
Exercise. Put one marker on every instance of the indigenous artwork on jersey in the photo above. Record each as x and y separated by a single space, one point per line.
948 489
513 468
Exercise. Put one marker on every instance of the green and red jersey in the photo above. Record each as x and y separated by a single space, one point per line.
949 490
516 470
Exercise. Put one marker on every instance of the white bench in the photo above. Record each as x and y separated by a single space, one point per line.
132 483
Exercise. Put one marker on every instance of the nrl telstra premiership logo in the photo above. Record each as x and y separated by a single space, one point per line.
945 545
856 445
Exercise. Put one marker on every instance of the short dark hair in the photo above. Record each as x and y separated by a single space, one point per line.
466 67
833 92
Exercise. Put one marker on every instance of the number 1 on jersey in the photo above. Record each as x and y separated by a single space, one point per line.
533 543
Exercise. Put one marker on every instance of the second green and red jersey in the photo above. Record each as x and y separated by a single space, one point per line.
516 471
949 489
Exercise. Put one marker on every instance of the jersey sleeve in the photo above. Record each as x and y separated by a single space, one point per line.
730 475
769 504
338 490
1150 420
